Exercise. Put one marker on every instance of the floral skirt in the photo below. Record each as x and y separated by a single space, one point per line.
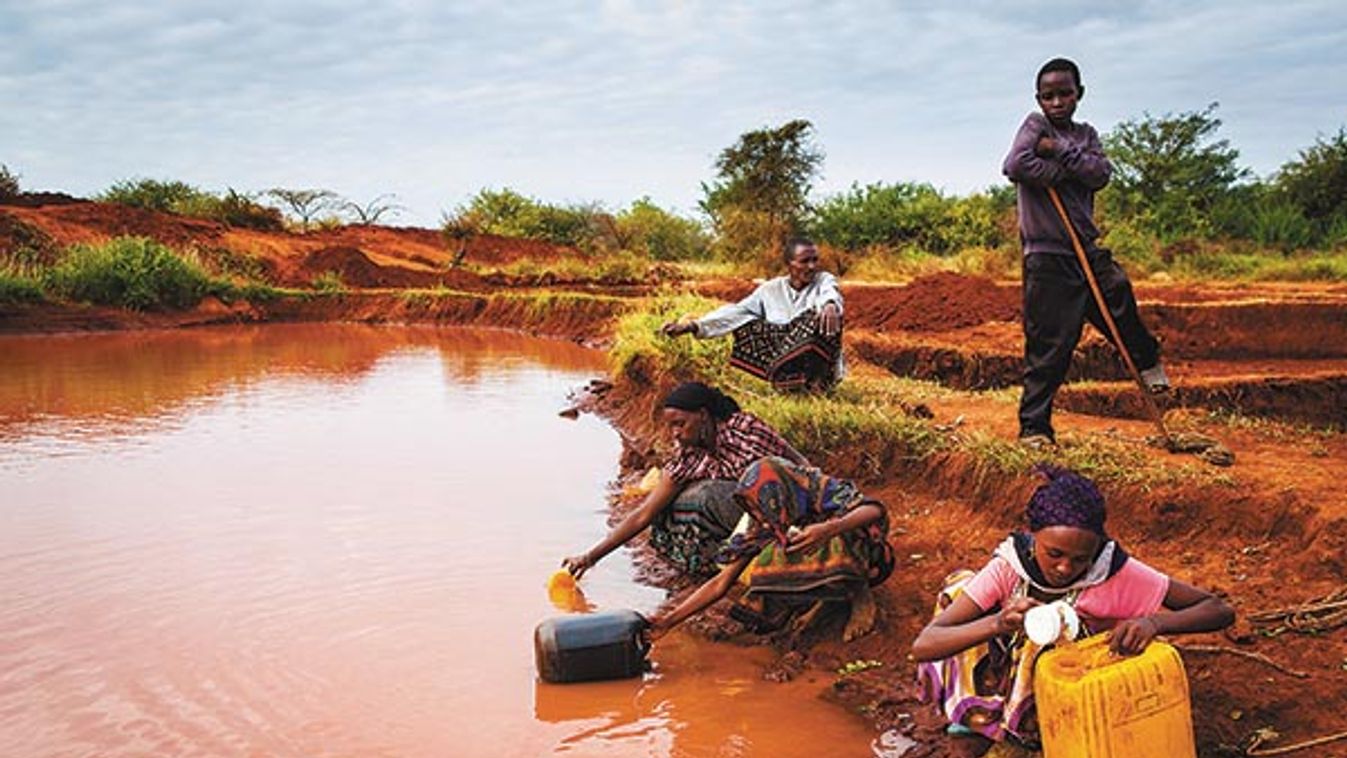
988 688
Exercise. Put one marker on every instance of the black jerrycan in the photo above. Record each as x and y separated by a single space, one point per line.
590 646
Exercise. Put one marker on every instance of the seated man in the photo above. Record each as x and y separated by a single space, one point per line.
788 330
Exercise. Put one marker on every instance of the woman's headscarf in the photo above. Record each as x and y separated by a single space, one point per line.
694 396
777 494
1066 499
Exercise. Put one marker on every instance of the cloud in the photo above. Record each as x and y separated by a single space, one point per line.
618 99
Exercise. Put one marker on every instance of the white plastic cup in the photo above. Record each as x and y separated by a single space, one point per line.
1046 624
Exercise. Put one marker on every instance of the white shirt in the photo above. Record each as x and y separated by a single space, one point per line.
776 302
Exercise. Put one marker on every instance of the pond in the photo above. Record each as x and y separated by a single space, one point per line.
307 540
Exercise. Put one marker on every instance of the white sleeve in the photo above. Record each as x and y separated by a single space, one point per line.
828 290
727 318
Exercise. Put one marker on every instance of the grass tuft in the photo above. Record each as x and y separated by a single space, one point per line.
129 272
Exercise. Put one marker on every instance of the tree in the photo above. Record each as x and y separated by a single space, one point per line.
371 212
760 194
306 204
1316 182
1170 172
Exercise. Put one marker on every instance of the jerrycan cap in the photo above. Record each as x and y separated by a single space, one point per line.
1046 624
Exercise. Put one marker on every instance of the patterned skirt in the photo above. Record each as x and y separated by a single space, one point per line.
690 531
792 356
988 688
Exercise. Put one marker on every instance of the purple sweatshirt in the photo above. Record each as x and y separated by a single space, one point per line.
1078 169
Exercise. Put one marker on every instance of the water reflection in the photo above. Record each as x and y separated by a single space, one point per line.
124 377
327 540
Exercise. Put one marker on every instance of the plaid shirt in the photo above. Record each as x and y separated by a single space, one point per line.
740 440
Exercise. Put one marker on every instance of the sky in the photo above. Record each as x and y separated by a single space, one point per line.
615 100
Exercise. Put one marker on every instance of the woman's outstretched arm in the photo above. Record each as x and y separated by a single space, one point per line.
663 494
711 591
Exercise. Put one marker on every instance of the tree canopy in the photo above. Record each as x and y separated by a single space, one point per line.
1170 171
760 193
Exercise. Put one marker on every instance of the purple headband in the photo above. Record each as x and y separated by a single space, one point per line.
1066 499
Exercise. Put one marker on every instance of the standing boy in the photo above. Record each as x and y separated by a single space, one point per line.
1051 150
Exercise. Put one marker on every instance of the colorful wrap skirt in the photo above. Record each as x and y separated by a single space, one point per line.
988 688
779 496
792 356
691 530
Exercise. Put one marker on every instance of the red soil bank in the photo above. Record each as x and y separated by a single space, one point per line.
935 302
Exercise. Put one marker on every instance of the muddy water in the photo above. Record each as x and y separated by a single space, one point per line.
329 540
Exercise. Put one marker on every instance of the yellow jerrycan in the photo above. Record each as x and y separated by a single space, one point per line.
1092 704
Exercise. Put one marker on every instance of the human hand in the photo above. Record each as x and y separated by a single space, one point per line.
830 319
1011 617
578 564
1132 636
1046 147
808 538
675 328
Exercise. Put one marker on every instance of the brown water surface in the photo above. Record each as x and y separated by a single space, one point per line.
329 540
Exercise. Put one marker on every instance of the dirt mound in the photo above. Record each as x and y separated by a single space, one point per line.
91 222
25 240
356 269
935 302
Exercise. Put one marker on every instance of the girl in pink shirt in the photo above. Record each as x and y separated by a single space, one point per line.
972 652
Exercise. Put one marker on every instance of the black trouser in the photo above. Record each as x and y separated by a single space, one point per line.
1057 302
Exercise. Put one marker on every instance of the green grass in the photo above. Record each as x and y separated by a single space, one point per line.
129 272
1102 457
616 267
1272 429
640 348
329 283
852 416
1210 264
135 273
887 265
18 287
865 420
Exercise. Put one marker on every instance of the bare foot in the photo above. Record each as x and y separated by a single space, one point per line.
862 620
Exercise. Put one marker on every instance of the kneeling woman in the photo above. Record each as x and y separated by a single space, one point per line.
972 652
812 537
691 510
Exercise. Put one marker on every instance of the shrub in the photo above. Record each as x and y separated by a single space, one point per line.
232 208
893 215
17 287
129 272
329 283
152 195
243 210
9 183
885 264
509 214
1132 246
649 230
914 215
1002 262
